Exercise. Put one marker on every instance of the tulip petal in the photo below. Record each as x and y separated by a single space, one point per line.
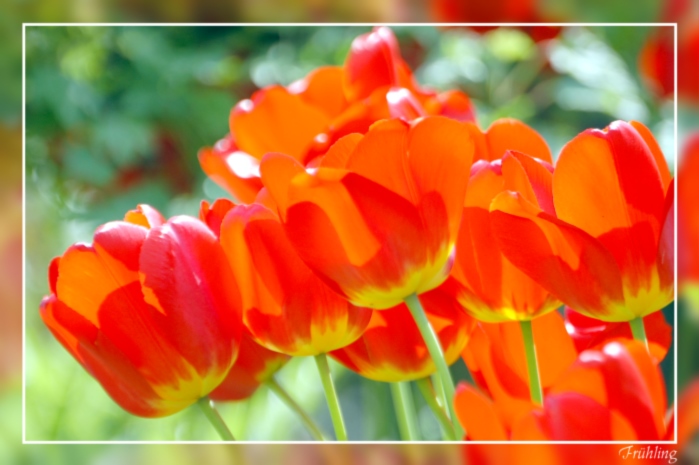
371 63
322 88
608 183
186 276
510 134
478 415
235 171
440 157
563 259
275 120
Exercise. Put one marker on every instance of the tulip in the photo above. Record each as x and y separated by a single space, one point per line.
376 223
391 348
614 393
377 219
304 119
608 251
487 284
150 309
286 307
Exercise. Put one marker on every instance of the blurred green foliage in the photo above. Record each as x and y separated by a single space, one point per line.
115 116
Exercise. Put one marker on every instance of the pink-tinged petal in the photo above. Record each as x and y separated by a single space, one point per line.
186 276
235 171
568 417
478 415
372 63
452 104
618 378
563 259
275 120
404 105
144 215
590 333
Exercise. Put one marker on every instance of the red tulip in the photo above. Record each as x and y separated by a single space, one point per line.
286 307
609 250
487 284
392 349
615 393
150 309
657 58
378 218
688 221
304 119
588 333
495 356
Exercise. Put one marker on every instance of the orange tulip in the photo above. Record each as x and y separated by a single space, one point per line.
609 250
615 393
255 364
378 218
150 309
392 349
508 134
487 284
286 307
304 119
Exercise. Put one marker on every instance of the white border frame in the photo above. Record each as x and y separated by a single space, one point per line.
335 24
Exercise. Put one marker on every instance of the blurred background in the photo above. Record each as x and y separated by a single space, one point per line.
116 115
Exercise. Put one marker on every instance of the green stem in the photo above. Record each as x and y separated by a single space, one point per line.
532 364
206 406
435 350
274 385
638 330
331 397
405 410
431 398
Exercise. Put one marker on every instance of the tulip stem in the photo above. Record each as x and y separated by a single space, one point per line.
207 406
405 410
435 349
532 364
331 397
430 396
275 387
638 330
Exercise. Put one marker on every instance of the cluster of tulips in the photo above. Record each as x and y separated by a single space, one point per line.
379 225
